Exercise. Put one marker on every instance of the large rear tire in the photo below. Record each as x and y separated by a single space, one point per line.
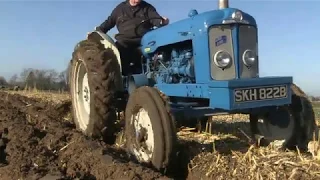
150 131
291 126
94 76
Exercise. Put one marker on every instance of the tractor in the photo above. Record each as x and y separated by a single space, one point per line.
198 67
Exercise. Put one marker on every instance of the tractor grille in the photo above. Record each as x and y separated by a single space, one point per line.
216 34
247 40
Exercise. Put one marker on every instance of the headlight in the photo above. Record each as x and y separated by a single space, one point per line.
222 59
237 15
249 57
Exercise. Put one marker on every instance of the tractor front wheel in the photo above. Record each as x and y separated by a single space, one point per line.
292 126
278 124
94 75
150 130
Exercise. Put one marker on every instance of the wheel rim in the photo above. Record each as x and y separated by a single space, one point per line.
279 126
144 137
82 96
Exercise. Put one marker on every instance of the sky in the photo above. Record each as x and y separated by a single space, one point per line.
43 33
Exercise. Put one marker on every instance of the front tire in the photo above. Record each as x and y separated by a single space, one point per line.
94 75
150 131
292 126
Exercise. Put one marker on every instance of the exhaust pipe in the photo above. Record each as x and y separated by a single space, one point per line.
223 4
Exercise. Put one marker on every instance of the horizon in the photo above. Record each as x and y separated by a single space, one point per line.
42 34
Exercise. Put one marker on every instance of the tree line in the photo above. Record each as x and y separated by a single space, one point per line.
48 79
39 79
314 98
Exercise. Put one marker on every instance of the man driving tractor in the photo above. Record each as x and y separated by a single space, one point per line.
127 16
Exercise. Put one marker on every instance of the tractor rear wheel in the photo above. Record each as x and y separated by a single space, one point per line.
291 126
94 75
150 131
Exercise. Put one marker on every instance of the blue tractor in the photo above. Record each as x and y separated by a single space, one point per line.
197 67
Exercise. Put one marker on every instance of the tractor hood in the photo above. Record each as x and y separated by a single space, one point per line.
192 27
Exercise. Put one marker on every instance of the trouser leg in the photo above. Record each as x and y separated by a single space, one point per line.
129 55
125 64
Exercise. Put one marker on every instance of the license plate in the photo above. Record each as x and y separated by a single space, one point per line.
260 93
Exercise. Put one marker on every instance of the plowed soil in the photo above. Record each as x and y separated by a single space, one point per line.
42 143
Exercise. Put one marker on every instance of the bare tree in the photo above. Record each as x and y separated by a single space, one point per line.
31 81
3 81
24 74
13 80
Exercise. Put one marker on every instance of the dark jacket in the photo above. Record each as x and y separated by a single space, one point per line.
126 18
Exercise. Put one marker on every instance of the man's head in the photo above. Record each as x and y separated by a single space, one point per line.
134 2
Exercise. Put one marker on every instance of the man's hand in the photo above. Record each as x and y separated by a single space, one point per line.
165 21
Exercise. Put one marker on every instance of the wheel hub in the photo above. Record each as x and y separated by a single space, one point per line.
144 137
281 119
278 125
86 93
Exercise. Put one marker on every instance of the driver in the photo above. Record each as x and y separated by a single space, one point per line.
127 16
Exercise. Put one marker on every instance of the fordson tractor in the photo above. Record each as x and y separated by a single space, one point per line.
203 65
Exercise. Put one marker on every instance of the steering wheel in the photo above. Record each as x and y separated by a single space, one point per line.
143 23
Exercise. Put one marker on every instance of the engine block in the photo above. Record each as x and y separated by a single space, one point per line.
174 66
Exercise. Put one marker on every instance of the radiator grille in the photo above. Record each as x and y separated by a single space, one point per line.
247 40
220 38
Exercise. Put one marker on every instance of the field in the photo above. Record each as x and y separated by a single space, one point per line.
316 106
43 143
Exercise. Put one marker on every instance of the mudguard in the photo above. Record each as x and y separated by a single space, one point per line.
137 80
108 42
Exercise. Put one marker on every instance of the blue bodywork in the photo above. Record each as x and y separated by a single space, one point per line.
191 63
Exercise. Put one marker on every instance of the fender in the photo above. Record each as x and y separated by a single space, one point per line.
108 42
137 80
